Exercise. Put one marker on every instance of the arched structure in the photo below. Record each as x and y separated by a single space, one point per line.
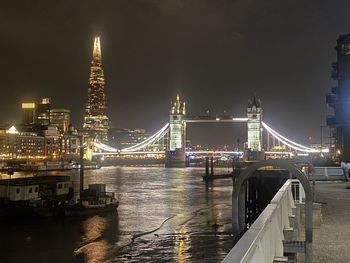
238 198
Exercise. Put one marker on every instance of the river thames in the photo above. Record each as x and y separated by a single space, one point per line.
165 215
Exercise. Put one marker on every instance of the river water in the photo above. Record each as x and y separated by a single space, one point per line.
165 215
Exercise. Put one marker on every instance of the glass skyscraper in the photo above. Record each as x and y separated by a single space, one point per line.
96 122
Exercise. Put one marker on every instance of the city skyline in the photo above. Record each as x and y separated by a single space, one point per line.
211 131
222 79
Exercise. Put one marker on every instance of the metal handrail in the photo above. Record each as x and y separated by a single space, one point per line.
238 203
263 241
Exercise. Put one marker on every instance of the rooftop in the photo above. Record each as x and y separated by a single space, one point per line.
36 180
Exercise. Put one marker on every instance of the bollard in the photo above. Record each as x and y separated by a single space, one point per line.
206 167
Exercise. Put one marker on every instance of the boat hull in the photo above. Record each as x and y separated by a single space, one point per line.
79 210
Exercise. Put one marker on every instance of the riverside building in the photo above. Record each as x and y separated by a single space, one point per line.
338 99
16 144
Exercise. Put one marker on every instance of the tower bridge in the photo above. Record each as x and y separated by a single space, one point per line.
170 140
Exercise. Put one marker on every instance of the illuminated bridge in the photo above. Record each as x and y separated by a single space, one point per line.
170 139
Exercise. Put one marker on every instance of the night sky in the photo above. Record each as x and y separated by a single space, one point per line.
215 53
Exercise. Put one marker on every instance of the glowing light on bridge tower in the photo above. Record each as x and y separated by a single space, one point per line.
96 122
177 126
254 114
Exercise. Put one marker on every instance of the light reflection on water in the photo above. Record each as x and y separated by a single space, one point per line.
182 244
165 215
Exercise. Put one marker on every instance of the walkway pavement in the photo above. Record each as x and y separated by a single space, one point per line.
332 239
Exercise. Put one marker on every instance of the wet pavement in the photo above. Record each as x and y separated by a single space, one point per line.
165 215
331 240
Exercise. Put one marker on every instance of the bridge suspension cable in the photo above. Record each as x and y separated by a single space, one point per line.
290 143
142 146
135 148
149 141
104 147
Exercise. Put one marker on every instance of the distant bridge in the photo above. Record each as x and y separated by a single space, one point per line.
172 136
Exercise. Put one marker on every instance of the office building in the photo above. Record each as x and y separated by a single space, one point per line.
43 112
28 113
60 118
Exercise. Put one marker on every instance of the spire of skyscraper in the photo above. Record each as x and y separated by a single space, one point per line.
96 122
97 56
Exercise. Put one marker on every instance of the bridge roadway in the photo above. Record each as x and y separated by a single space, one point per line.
163 152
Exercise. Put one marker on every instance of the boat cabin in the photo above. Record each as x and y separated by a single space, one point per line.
34 188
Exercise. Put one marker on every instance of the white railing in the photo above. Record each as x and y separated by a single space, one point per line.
328 171
263 241
298 191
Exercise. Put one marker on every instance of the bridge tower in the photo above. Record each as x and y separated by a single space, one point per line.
254 115
175 156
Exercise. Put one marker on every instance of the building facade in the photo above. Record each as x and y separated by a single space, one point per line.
339 99
16 144
52 142
70 144
96 122
60 118
28 143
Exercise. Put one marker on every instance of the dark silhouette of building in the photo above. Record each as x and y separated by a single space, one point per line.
96 122
339 99
43 112
122 138
28 113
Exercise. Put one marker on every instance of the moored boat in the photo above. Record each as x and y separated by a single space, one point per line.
94 200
